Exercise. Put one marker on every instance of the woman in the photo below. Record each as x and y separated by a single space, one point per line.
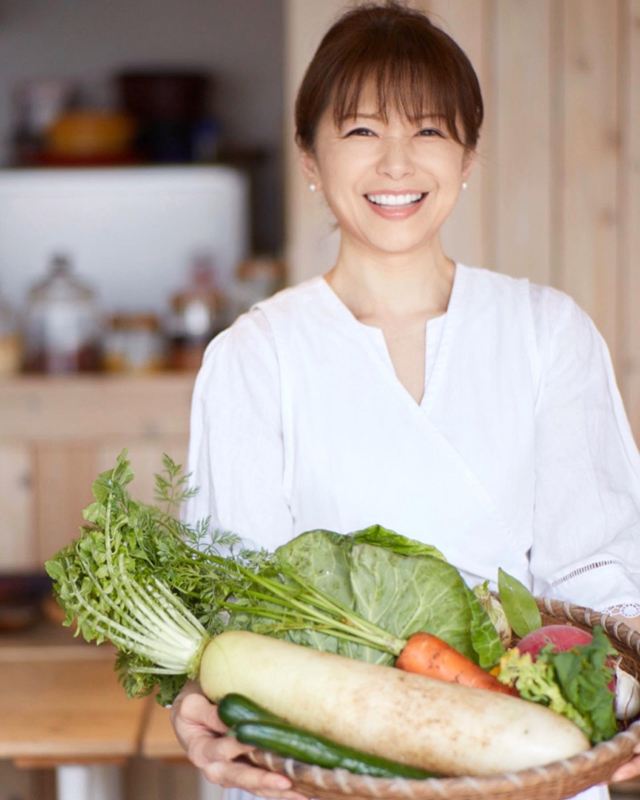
470 410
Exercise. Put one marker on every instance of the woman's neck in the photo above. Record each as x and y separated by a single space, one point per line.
393 287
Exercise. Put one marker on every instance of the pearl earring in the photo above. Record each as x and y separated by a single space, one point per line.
313 187
464 185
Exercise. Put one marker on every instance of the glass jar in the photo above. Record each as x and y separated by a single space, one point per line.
134 343
62 326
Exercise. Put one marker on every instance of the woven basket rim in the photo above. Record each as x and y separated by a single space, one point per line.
559 779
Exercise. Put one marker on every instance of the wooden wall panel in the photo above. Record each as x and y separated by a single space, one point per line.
462 234
311 243
629 204
590 142
523 139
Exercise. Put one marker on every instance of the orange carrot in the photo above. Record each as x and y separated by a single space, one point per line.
428 655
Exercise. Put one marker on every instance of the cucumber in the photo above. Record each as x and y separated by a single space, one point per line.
235 708
290 742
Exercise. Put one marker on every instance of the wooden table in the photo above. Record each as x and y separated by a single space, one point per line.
63 707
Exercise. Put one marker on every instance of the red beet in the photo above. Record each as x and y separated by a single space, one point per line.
564 637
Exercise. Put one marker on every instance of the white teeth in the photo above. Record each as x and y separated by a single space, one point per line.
393 199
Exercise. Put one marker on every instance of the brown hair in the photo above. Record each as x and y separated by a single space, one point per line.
411 61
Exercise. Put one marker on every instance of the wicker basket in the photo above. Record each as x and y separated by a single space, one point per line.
555 781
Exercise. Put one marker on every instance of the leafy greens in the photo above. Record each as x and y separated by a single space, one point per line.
397 583
158 588
573 683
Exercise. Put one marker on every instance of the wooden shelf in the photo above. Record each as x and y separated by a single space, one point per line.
90 407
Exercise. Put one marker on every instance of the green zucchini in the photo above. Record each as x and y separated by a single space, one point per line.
290 742
234 708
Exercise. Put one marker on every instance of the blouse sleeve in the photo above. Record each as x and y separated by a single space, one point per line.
236 453
586 533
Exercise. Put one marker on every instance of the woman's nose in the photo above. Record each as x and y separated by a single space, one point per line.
396 161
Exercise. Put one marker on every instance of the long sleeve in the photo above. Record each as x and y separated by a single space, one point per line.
586 538
236 454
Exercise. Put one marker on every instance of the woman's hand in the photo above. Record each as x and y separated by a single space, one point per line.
200 732
632 768
629 770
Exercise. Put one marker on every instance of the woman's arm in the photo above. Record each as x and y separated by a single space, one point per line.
236 458
586 526
587 507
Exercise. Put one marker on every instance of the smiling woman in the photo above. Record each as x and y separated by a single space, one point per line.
458 406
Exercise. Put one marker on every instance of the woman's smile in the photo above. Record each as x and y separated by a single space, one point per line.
396 205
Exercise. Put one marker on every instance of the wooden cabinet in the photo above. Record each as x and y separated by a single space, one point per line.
57 434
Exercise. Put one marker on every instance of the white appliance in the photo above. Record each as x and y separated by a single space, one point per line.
130 233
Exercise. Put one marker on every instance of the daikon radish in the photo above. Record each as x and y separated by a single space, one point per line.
441 727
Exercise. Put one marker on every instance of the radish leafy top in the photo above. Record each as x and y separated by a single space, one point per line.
158 587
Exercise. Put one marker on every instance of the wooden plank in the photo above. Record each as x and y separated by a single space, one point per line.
146 461
81 711
523 139
590 152
63 478
97 407
311 244
462 234
629 200
17 545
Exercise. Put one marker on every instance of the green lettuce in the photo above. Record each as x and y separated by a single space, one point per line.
396 583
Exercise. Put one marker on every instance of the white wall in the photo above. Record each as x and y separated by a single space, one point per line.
239 41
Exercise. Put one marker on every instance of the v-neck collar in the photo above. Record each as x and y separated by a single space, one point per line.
432 377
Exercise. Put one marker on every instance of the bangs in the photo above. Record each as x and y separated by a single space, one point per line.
407 63
415 81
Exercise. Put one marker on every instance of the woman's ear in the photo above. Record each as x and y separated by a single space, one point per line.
468 162
310 169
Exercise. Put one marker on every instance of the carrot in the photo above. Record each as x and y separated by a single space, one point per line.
428 655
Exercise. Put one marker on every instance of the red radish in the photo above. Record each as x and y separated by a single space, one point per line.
563 637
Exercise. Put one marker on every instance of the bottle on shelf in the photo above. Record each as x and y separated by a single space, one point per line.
198 313
10 341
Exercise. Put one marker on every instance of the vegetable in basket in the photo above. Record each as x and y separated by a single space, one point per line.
131 577
575 673
252 724
362 595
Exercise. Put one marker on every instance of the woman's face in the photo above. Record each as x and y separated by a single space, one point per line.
365 159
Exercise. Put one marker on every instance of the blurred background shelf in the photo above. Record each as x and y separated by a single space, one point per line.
58 434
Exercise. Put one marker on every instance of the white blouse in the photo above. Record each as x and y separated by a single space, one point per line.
519 454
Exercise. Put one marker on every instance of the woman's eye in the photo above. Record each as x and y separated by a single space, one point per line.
425 132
